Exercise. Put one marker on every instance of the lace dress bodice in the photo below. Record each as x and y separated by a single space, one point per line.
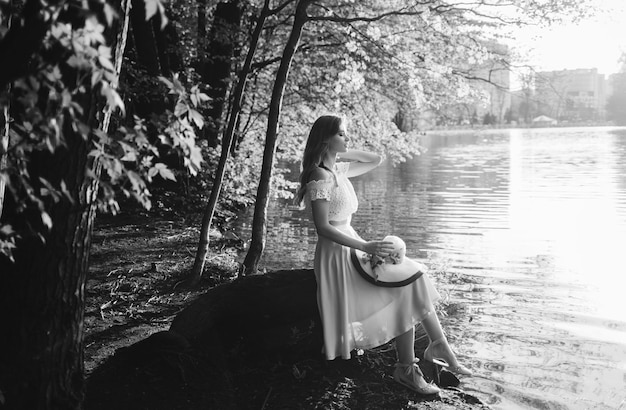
338 191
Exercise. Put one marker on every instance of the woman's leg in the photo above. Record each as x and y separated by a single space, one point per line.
405 345
432 326
439 346
407 372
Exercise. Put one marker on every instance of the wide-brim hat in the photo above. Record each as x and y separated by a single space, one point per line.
392 272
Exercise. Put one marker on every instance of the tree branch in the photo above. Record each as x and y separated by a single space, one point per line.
365 19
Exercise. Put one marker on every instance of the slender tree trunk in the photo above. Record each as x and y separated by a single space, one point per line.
259 227
227 140
42 293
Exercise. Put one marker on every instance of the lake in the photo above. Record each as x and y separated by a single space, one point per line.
525 232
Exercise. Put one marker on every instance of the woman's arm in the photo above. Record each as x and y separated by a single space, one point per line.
360 161
325 229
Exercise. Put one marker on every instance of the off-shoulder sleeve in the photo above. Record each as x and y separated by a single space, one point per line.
342 167
319 189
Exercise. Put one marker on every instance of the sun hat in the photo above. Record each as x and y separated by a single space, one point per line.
395 270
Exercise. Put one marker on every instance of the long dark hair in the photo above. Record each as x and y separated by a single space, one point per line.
316 148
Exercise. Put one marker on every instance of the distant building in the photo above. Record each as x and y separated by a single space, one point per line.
571 95
544 121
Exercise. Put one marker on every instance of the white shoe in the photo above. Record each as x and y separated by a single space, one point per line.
410 375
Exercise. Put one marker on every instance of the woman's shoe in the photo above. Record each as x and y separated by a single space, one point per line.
410 375
449 365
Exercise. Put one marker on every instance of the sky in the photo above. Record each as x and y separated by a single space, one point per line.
596 42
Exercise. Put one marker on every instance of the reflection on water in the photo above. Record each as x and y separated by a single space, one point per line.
530 227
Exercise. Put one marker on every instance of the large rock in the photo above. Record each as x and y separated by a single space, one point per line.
272 312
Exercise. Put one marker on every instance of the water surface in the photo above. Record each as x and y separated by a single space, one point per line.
529 230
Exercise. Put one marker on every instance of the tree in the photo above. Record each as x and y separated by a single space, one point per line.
250 264
41 298
227 143
62 80
382 55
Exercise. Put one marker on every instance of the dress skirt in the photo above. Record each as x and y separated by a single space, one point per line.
357 314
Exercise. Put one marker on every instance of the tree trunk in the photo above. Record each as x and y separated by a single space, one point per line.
216 67
257 245
42 292
168 46
144 39
227 140
4 135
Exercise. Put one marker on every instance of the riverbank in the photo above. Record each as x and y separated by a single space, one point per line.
133 291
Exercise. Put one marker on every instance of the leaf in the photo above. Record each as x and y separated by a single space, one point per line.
49 190
195 158
66 191
136 181
109 13
6 230
104 57
96 76
164 19
167 82
165 173
113 98
197 118
130 156
45 218
178 85
203 97
151 8
181 108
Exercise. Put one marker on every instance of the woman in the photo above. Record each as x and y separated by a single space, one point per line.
356 314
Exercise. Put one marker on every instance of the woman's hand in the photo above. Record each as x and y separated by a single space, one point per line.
379 248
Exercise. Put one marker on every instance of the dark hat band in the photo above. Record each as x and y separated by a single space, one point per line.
357 265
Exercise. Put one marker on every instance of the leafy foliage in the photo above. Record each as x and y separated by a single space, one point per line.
372 60
47 105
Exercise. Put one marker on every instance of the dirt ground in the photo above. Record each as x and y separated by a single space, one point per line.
134 290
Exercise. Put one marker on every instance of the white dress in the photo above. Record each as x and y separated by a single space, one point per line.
356 314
